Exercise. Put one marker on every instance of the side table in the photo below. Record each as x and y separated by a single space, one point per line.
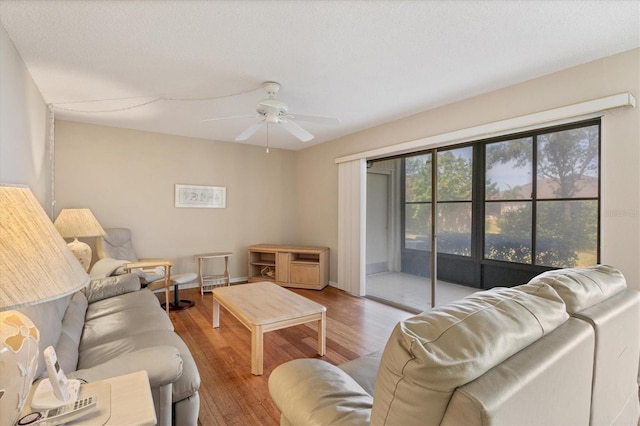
209 282
131 400
127 401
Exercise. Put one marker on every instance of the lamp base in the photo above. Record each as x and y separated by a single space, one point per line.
18 363
82 252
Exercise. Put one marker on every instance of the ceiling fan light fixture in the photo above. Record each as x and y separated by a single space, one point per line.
271 106
271 118
275 111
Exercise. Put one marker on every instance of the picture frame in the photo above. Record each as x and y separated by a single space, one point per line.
200 196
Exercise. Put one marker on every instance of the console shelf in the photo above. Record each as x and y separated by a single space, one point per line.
289 266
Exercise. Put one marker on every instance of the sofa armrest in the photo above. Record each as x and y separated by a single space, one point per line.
103 288
107 267
162 363
314 392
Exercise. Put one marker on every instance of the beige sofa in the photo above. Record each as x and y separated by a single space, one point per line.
112 327
560 350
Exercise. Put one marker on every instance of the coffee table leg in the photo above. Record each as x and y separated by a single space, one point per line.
216 313
257 350
322 335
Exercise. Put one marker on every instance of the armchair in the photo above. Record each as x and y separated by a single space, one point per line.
154 273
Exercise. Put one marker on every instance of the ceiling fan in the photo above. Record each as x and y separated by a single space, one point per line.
274 111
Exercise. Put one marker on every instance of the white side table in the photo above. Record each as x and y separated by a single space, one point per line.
129 397
209 282
131 400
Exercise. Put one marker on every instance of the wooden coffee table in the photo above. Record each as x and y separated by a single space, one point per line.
263 307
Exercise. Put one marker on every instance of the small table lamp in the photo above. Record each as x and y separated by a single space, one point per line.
35 266
74 223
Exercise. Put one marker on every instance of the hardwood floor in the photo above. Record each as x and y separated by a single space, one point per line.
229 393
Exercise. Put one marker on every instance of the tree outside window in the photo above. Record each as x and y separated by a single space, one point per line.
561 207
536 196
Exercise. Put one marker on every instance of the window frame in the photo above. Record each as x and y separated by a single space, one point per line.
478 204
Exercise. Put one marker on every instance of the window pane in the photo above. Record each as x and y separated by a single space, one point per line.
418 178
509 170
567 233
568 163
454 174
507 227
418 226
454 228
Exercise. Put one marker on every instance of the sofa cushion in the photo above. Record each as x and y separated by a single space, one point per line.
314 392
103 288
581 288
107 267
130 314
364 370
428 356
187 384
165 369
72 326
134 301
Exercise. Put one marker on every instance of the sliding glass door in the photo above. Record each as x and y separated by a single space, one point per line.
506 209
454 214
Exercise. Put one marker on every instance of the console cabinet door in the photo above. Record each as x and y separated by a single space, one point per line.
305 274
282 267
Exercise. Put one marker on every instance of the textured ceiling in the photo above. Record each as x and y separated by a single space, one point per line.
365 62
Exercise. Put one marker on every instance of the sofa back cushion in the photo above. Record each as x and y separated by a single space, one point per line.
581 288
428 356
68 346
47 317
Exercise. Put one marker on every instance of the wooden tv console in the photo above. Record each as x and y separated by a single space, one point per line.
289 266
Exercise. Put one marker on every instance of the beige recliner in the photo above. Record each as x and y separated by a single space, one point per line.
115 250
116 244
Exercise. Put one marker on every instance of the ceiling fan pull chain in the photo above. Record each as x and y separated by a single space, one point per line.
267 137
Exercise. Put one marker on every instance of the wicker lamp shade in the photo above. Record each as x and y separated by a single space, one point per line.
74 223
35 261
35 266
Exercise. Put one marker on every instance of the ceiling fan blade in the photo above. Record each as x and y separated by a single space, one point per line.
250 131
296 130
229 118
316 119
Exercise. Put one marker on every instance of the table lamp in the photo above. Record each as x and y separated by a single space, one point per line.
36 266
74 223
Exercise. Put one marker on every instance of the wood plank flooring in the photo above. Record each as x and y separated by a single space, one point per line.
229 393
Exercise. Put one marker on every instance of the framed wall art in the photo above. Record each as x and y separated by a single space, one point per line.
199 196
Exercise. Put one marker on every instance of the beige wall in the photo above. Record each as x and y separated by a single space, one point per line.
317 209
24 155
127 179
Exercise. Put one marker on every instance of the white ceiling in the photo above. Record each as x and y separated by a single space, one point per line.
365 62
